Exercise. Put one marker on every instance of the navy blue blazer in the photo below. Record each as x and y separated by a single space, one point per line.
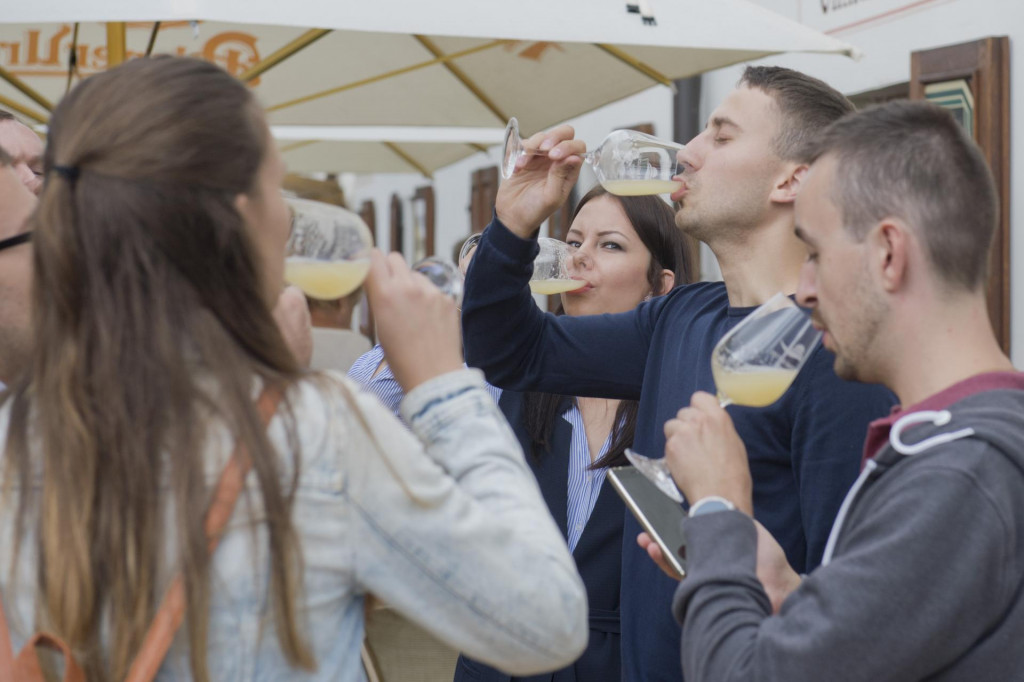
598 556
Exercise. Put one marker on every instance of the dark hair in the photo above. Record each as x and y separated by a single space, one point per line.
807 106
151 327
7 116
913 161
654 222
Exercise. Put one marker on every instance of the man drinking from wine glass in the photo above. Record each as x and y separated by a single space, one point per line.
741 176
923 573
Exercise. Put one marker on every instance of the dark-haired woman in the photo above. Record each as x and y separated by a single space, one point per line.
627 250
158 250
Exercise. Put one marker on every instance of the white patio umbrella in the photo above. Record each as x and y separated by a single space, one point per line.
464 63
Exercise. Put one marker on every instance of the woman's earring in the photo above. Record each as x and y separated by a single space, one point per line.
647 297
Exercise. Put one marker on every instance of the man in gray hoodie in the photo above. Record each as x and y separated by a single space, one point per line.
922 576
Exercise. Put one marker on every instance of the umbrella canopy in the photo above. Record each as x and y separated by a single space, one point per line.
467 63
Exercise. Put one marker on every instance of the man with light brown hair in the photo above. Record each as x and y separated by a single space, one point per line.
923 574
16 204
24 148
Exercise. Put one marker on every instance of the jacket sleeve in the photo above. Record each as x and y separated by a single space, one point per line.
452 530
519 347
900 602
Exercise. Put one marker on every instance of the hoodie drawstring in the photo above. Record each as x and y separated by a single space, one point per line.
940 418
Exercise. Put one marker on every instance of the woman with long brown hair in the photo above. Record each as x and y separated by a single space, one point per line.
158 249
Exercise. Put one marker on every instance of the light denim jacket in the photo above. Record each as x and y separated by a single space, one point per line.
447 526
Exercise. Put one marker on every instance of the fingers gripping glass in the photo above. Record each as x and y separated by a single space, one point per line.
16 240
753 365
628 162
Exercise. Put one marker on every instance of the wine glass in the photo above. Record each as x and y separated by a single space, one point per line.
753 365
628 162
443 275
466 252
328 251
551 274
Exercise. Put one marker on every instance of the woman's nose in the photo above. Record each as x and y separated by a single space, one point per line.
580 257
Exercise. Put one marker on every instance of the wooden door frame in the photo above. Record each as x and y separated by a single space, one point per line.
985 64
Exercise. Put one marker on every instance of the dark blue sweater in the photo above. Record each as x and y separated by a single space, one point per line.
804 450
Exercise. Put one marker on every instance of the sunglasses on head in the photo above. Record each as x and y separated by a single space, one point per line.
15 240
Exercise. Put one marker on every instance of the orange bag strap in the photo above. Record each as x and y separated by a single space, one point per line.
172 609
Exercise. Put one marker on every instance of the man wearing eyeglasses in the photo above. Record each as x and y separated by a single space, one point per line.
16 205
25 150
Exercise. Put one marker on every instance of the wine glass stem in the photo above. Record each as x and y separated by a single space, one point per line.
586 156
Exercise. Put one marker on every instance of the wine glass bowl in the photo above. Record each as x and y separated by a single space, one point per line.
328 250
753 366
551 272
627 163
466 252
758 359
444 275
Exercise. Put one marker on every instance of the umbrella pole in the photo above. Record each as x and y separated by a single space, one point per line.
23 110
26 90
116 51
152 38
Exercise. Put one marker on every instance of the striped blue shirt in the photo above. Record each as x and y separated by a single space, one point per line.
384 385
584 483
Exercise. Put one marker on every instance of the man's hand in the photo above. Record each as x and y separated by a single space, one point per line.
705 454
417 325
540 184
773 570
292 316
653 550
776 575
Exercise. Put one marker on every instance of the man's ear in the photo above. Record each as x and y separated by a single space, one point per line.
889 245
787 186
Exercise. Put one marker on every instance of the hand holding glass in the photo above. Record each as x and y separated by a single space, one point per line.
628 162
328 251
753 365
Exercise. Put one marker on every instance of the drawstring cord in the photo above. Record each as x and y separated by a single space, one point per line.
940 418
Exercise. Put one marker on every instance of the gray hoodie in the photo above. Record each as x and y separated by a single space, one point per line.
922 578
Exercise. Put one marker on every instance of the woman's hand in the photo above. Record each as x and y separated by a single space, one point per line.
417 325
540 183
292 316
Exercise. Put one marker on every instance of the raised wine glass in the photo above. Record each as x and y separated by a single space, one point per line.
753 365
328 251
628 162
551 267
443 274
551 271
